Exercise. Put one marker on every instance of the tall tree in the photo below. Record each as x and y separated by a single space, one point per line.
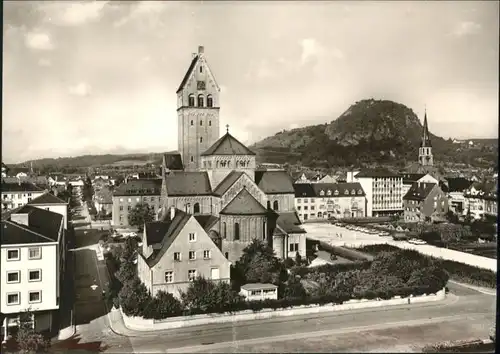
140 214
27 339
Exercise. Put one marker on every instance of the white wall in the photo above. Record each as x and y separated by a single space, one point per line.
20 198
49 279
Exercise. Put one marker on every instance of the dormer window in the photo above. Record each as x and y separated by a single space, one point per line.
353 192
210 101
191 100
322 193
336 192
346 192
360 192
329 192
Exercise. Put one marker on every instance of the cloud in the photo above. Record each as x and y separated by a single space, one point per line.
143 8
310 49
38 40
44 62
466 28
82 89
73 14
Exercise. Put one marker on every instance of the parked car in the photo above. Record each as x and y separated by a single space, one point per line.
417 241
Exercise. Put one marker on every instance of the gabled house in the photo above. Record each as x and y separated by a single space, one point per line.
456 188
425 200
410 178
177 249
481 199
48 201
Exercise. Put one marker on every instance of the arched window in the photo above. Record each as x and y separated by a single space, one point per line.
200 101
210 101
192 122
224 230
196 208
201 122
236 231
275 205
209 123
268 204
201 139
191 100
192 159
264 231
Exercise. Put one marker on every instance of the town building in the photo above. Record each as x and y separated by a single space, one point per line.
127 195
103 200
425 202
33 251
481 200
410 178
315 201
176 249
259 292
15 195
383 190
455 188
5 170
316 177
425 157
48 201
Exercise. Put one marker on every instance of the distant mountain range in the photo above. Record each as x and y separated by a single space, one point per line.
369 131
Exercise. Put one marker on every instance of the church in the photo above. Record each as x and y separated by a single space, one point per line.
216 179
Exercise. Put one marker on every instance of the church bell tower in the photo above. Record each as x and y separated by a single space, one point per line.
197 111
425 157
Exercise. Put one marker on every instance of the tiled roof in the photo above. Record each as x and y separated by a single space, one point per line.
458 184
258 286
304 190
290 222
244 204
188 73
170 230
139 187
227 182
228 145
206 221
44 226
155 231
409 178
337 189
20 187
173 161
274 182
376 172
47 198
419 191
188 183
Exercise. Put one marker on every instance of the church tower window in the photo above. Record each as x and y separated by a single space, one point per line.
201 123
201 139
200 101
192 122
224 230
196 208
191 100
210 101
236 231
209 123
268 204
275 205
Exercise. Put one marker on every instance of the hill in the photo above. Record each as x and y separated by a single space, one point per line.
369 131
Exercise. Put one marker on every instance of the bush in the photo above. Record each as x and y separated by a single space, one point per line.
134 298
163 305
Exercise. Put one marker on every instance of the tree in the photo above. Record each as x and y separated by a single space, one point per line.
293 288
163 305
207 295
140 214
27 339
134 297
126 272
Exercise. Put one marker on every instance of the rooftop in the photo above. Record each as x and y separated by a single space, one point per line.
228 145
419 191
244 204
258 286
377 173
274 182
139 187
47 198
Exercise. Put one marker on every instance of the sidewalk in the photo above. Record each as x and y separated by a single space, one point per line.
487 291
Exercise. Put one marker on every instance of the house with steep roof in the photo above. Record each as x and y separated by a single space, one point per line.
410 178
32 256
329 200
103 200
48 201
175 250
425 201
383 189
19 193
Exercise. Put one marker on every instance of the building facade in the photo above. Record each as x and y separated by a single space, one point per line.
48 201
15 195
425 202
481 199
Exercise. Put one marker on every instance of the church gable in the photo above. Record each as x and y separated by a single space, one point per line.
244 204
243 182
199 77
228 145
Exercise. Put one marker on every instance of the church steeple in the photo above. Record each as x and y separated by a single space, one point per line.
425 157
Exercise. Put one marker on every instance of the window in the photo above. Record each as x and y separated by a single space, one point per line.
29 199
192 255
210 101
201 123
201 69
336 193
35 275
236 231
130 200
299 200
224 230
209 123
169 277
268 205
191 101
121 200
192 122
200 101
275 205
129 208
192 159
121 208
13 277
306 207
177 256
330 192
35 296
346 192
322 193
192 237
196 208
35 253
13 255
206 254
226 255
201 139
298 207
13 299
255 292
294 247
121 217
191 274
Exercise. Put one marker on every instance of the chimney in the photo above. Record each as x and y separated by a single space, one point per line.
172 213
21 218
201 50
193 55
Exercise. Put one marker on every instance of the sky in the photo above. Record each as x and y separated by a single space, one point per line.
100 77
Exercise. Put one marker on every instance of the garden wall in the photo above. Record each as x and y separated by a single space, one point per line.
140 324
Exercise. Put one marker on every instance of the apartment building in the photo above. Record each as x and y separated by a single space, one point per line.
481 199
32 257
425 201
50 202
327 200
126 196
383 189
15 195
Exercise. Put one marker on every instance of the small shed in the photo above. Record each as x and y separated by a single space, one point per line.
259 291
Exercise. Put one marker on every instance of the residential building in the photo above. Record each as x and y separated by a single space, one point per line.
329 200
410 178
5 170
103 200
383 190
425 157
76 182
33 251
425 201
316 177
48 201
259 291
455 187
127 195
15 195
481 199
177 249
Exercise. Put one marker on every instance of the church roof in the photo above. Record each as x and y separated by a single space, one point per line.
206 221
426 137
188 73
188 183
419 191
228 145
289 222
409 178
274 182
173 161
244 204
227 182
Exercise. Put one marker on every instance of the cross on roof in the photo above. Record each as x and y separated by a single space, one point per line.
227 128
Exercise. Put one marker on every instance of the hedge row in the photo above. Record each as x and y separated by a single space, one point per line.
332 268
337 299
350 254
